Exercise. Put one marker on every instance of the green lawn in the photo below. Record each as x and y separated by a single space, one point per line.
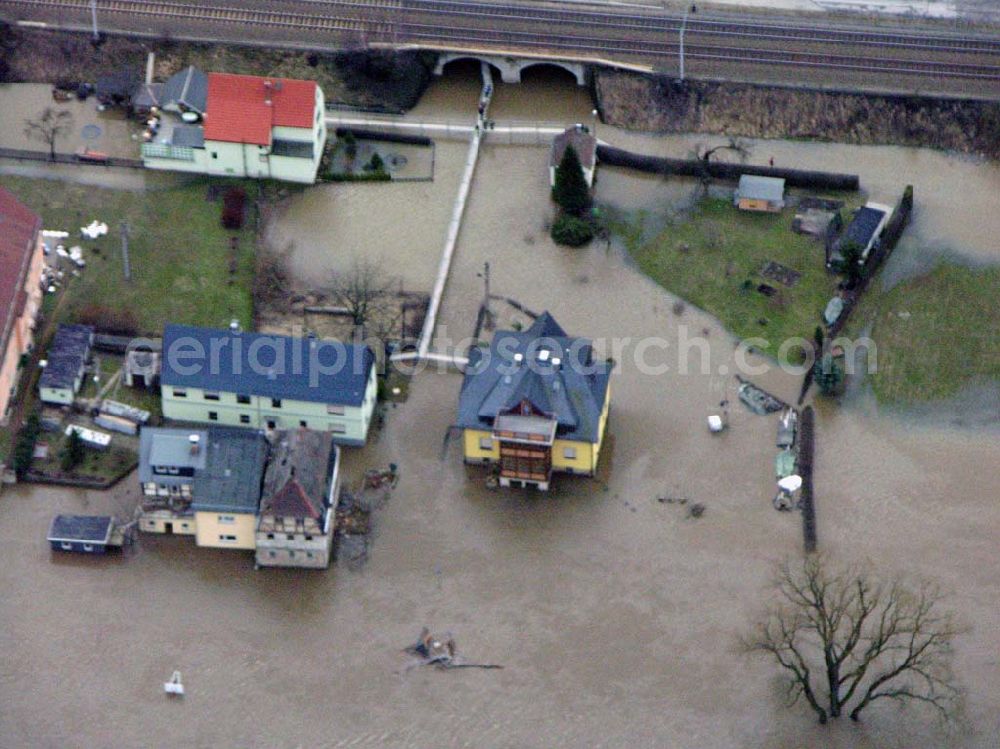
934 334
712 256
180 254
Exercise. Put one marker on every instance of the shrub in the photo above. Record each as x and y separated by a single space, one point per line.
375 164
72 452
570 191
571 231
24 448
233 208
109 320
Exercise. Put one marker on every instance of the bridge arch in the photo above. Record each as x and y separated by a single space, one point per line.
510 68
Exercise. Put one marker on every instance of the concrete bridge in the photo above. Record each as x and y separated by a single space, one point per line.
510 68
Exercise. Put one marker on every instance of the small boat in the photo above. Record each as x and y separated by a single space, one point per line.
784 464
174 686
786 427
757 400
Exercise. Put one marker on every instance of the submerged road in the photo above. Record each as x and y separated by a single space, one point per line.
807 51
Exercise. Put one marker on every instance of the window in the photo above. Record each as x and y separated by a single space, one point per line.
334 410
485 443
569 453
275 402
303 424
213 415
227 519
243 399
309 554
271 424
215 154
180 393
66 546
290 536
337 428
184 526
226 538
211 396
272 554
309 538
244 419
291 555
88 547
270 537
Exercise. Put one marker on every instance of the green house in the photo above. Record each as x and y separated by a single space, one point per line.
271 382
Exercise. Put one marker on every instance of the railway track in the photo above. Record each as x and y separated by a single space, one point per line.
579 33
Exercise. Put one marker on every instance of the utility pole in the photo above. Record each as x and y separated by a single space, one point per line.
125 261
93 20
684 21
487 315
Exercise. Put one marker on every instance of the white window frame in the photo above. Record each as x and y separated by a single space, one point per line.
569 453
485 443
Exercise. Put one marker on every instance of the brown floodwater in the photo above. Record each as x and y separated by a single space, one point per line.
615 616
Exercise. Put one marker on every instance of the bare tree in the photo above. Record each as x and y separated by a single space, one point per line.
369 295
704 155
48 127
845 640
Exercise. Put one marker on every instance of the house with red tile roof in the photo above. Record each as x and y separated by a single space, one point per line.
22 262
252 126
296 522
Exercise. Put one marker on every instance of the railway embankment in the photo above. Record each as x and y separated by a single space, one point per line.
381 80
655 103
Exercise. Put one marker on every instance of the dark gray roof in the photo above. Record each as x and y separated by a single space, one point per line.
228 468
580 138
187 89
146 96
863 226
761 188
302 369
119 84
295 148
298 475
571 391
81 528
192 136
67 354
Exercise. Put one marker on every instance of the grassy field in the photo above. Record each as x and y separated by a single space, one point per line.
712 257
183 269
935 334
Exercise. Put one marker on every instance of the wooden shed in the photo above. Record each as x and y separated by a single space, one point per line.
760 194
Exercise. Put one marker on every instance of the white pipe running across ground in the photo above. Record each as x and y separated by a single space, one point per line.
427 333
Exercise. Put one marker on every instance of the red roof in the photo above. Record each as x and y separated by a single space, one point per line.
19 227
237 109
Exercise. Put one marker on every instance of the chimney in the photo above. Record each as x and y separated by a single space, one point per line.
194 440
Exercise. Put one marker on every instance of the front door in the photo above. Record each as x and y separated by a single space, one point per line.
168 527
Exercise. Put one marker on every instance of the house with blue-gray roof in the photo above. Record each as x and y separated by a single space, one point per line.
534 403
261 381
204 483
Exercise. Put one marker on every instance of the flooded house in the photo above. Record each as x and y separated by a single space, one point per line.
22 262
272 382
65 362
204 483
535 403
248 126
296 523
